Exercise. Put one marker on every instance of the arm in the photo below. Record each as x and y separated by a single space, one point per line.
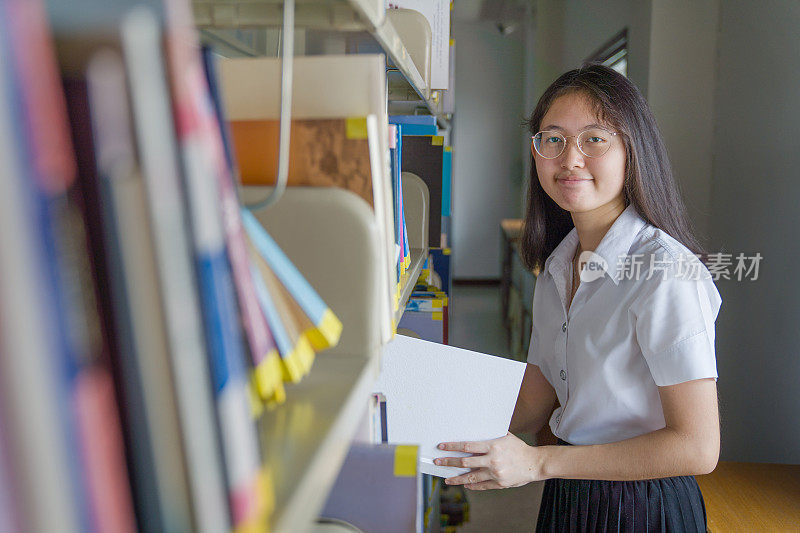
687 445
534 403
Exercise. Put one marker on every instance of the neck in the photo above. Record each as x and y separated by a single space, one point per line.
593 225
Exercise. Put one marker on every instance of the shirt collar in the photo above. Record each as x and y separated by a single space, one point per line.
616 243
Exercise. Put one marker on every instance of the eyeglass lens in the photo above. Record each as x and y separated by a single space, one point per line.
592 143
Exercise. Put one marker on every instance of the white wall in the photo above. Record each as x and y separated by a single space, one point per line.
488 167
754 208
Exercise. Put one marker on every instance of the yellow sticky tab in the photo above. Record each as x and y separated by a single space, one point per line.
448 148
305 353
330 328
446 251
436 304
355 128
405 461
437 315
292 367
253 398
326 334
268 375
437 140
264 492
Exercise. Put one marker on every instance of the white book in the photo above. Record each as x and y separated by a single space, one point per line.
155 134
437 393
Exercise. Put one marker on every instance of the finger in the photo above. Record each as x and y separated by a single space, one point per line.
466 447
470 478
484 485
476 461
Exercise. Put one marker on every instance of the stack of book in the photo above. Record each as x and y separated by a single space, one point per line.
145 318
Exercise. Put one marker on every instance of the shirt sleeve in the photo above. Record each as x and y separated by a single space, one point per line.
675 327
533 346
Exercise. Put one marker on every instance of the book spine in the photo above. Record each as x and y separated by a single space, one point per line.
178 296
105 450
119 194
30 389
203 160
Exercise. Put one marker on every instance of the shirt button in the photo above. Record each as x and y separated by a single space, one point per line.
564 326
564 375
558 418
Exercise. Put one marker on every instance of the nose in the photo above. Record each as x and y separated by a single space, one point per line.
572 156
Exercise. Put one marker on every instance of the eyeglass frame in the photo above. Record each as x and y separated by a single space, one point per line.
612 133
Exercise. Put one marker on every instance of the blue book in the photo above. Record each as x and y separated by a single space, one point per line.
327 325
416 124
419 120
447 177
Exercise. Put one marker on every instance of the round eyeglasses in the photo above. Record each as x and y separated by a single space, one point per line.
593 142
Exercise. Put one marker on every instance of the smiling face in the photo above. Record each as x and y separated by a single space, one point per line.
577 183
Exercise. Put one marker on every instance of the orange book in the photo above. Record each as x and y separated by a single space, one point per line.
323 153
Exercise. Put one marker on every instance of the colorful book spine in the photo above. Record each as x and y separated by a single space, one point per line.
263 349
416 124
155 137
31 391
415 120
110 482
327 327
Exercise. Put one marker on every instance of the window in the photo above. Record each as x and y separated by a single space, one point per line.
614 53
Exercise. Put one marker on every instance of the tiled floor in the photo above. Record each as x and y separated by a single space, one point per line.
475 324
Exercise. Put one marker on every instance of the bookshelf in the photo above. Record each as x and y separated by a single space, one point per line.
337 15
333 237
306 440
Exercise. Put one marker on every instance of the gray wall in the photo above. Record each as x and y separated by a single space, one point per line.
487 164
681 85
754 199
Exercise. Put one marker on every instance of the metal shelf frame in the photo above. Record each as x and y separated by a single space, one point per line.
337 15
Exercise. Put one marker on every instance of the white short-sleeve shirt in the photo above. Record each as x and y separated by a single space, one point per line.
642 317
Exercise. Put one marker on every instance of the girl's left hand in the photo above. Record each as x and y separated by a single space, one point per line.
498 464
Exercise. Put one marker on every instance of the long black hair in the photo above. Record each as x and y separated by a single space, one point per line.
649 183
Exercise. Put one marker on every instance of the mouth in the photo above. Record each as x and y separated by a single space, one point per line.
571 180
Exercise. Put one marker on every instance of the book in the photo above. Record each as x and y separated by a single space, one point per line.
424 157
266 381
323 153
416 124
139 341
156 140
30 390
428 325
328 328
377 489
110 478
430 397
295 350
203 161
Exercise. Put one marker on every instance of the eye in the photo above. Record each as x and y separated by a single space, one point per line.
553 139
595 139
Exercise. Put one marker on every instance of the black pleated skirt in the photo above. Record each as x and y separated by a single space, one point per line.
670 504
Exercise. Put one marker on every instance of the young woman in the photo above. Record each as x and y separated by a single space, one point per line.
623 325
